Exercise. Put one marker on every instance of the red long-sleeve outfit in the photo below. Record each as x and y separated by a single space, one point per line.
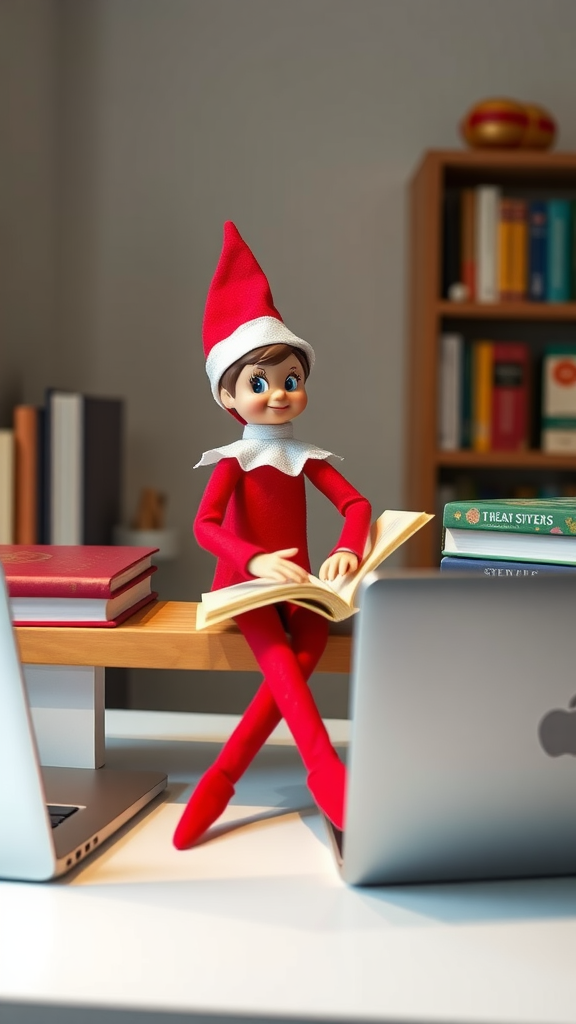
243 514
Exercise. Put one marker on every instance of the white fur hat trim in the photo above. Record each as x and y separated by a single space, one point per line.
265 330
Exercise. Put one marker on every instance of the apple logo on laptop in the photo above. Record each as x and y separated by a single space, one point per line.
557 731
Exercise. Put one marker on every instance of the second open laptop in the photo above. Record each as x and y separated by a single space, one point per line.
52 817
462 759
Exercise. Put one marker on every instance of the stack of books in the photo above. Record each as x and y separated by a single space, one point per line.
510 536
61 470
507 248
76 585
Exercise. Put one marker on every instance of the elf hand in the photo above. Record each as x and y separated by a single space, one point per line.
338 564
276 566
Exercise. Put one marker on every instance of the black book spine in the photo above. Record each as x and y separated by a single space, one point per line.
451 242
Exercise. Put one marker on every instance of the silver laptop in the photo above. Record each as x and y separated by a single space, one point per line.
52 818
462 759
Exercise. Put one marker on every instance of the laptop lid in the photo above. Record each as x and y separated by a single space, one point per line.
463 739
101 799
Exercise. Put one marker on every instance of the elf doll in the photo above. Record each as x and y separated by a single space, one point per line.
252 517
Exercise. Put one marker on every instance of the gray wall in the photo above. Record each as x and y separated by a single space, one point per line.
302 122
28 203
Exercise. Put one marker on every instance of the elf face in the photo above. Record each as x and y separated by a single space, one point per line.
269 394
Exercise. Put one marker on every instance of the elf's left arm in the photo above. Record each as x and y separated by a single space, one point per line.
356 509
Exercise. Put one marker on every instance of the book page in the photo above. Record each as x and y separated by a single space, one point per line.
247 593
387 533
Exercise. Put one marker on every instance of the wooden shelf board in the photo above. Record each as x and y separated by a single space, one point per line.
163 635
523 159
531 459
507 310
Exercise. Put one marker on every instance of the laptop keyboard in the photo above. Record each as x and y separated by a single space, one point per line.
59 814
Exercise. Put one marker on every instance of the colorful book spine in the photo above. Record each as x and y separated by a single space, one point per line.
468 242
509 428
573 251
25 419
505 225
486 241
7 486
497 567
512 250
558 251
482 375
466 394
450 242
519 251
537 249
450 386
513 515
558 426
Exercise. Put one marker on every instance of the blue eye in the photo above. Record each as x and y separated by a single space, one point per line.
291 382
259 385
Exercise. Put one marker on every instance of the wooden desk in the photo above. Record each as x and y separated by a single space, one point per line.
255 924
64 670
163 635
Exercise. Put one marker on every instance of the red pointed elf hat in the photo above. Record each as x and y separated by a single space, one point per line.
240 314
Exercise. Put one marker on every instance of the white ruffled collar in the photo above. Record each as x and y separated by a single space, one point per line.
264 444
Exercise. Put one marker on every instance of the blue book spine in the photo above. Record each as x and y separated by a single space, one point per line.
537 247
493 567
558 251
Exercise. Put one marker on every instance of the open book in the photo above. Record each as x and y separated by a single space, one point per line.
335 601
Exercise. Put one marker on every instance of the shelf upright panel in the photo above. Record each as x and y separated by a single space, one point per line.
421 377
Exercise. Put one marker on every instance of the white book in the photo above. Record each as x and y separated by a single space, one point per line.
487 207
66 468
559 402
7 486
450 392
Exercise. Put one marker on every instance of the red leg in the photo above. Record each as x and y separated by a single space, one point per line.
215 789
264 632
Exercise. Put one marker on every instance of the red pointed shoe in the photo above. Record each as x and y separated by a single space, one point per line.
328 787
208 801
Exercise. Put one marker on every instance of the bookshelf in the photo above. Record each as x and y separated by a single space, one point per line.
429 469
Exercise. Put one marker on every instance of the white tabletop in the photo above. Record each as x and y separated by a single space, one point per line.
256 921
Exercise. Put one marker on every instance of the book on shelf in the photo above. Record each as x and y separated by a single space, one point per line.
499 567
334 601
468 241
76 584
486 240
7 485
450 381
537 249
84 442
451 268
26 444
482 385
573 250
527 530
466 391
558 414
510 396
512 249
558 250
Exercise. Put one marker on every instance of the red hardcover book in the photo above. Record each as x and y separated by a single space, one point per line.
76 570
510 396
84 611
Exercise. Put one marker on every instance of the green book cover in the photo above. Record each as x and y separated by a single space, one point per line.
513 515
